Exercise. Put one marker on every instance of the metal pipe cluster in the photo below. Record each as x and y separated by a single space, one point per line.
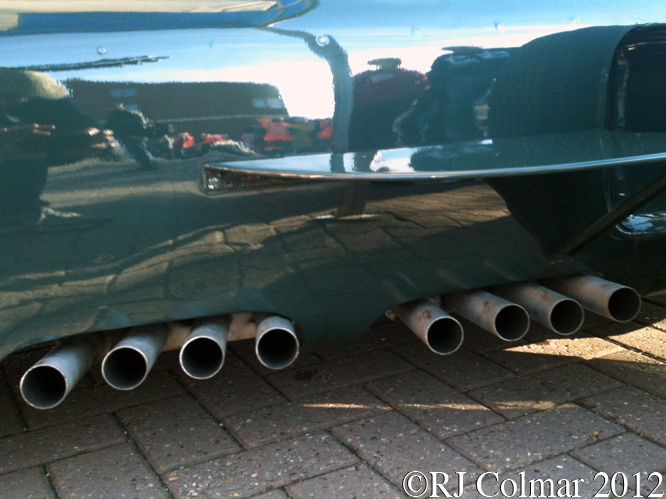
555 303
506 310
127 364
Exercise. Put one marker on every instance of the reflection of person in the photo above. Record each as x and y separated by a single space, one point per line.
132 129
278 139
380 96
39 127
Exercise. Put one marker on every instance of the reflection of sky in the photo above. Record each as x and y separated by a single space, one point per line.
414 30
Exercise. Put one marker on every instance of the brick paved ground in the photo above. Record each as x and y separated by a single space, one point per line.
350 423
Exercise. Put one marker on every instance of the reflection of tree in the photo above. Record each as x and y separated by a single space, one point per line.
330 50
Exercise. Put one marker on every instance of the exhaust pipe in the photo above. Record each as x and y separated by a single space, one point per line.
442 333
202 355
127 365
46 384
550 309
602 297
492 313
276 345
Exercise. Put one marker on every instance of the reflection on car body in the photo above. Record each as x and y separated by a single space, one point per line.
291 170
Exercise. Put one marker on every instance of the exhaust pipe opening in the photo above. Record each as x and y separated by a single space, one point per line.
43 387
442 333
550 309
624 304
202 355
567 317
49 381
127 365
617 302
512 323
445 336
277 348
201 358
495 314
125 368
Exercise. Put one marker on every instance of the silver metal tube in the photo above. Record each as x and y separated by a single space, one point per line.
550 309
127 365
602 297
46 384
492 313
442 333
276 343
202 355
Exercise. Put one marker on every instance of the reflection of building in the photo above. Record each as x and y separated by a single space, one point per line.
200 107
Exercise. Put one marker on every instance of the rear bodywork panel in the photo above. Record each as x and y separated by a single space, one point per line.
430 147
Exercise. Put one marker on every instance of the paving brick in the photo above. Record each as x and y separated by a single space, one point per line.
176 432
628 454
379 337
634 408
339 373
553 352
441 409
245 350
42 446
255 471
520 396
463 370
234 389
110 473
394 445
652 315
357 482
10 419
102 399
26 484
561 470
634 369
646 339
519 442
309 414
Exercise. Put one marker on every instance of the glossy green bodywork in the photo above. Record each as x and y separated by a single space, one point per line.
473 189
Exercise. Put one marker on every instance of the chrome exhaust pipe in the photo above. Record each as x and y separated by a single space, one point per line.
442 333
127 365
496 315
602 297
276 343
202 355
550 309
46 384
